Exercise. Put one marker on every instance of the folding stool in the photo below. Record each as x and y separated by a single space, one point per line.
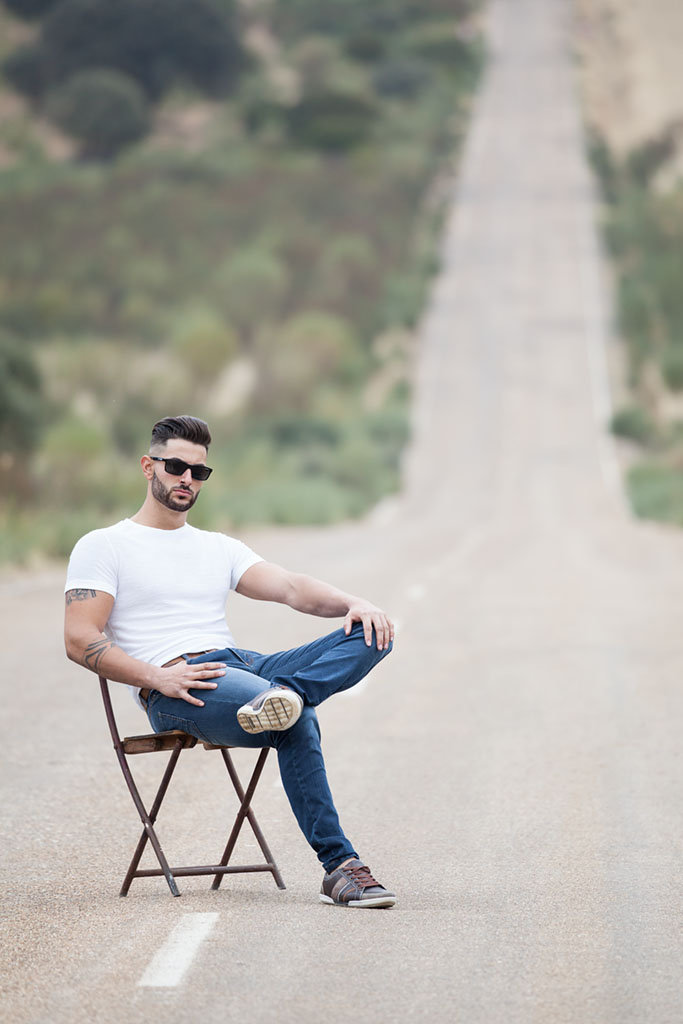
175 741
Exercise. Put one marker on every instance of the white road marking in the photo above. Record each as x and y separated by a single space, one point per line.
167 968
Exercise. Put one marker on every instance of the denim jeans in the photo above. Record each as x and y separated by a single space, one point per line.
316 670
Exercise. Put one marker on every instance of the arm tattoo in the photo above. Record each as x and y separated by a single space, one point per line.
95 651
79 595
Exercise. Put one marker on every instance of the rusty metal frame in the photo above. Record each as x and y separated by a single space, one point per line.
176 741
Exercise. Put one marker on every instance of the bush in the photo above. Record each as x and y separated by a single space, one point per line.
104 110
204 343
310 349
672 367
633 424
331 121
656 492
365 46
604 165
438 44
251 286
21 398
403 76
27 71
643 162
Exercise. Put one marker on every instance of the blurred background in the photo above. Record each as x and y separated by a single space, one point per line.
233 209
225 208
632 83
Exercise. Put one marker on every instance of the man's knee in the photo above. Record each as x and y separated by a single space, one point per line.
369 651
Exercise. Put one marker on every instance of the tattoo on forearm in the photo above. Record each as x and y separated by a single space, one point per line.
95 651
79 595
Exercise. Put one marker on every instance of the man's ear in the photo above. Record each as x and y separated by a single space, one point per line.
147 466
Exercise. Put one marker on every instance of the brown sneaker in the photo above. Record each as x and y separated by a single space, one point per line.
352 885
275 709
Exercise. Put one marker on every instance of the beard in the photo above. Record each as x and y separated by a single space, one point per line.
166 498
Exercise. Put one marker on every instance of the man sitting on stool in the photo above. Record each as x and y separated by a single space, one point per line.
145 606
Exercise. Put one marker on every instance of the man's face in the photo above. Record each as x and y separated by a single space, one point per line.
177 493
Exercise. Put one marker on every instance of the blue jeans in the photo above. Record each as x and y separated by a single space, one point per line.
317 670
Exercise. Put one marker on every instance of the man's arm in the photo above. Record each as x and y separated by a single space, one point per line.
266 581
87 613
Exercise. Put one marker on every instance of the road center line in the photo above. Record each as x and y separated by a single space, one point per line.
168 966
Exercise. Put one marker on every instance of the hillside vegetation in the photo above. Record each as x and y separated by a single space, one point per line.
241 224
630 53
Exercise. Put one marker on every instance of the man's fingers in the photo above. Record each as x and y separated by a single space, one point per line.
191 700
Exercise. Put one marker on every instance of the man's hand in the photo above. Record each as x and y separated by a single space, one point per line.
178 680
372 618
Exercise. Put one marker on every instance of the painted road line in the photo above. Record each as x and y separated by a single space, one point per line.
167 968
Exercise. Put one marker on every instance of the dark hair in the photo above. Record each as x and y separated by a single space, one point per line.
188 428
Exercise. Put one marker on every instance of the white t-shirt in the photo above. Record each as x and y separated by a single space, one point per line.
169 586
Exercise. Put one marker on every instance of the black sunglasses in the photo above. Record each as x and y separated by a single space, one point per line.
176 467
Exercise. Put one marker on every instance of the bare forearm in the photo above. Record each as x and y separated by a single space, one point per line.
101 655
314 597
266 581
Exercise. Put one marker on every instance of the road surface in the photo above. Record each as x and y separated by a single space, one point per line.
513 770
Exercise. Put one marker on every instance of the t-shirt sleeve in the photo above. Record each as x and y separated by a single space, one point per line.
93 565
241 558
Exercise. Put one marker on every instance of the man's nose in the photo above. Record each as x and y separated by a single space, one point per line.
186 478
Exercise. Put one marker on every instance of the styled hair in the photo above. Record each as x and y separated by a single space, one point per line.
187 428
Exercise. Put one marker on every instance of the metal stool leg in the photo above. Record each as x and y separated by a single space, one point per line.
246 812
148 822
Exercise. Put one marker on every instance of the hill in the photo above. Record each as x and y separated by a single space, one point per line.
258 253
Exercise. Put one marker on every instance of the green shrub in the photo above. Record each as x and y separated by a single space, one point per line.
302 431
643 162
672 367
401 76
27 70
104 110
22 406
251 286
656 492
438 43
365 46
309 349
331 121
604 165
403 299
633 423
204 342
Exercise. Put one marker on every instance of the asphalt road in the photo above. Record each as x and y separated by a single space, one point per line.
512 771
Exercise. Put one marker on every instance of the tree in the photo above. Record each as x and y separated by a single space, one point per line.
104 110
156 42
30 8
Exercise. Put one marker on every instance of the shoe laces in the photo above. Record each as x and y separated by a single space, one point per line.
360 874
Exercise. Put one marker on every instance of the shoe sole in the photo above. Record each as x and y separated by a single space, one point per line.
275 714
375 902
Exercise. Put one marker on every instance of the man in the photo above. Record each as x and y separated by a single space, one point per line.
145 606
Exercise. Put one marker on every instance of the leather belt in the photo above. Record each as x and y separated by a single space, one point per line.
144 692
